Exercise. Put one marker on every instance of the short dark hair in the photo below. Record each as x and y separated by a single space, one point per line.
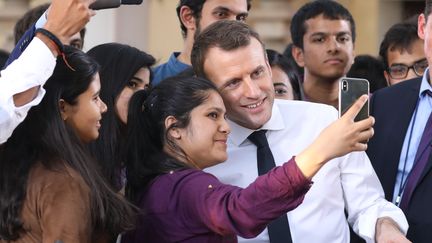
147 135
370 68
399 37
196 7
329 9
225 34
428 8
30 18
277 59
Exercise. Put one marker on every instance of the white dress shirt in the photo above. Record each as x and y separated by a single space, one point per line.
346 182
31 69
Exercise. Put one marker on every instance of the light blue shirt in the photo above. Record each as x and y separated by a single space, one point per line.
168 69
41 21
417 126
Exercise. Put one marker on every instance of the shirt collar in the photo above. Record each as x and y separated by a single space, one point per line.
425 85
239 134
175 62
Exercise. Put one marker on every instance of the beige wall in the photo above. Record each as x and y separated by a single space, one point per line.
366 16
126 24
373 17
164 34
154 27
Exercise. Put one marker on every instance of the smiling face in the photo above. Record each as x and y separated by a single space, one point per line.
243 77
328 49
139 81
84 116
204 139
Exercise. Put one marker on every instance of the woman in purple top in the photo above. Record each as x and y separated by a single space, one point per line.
177 130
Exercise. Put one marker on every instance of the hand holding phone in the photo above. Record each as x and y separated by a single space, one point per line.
350 89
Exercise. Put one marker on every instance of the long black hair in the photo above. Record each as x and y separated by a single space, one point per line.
147 134
119 63
277 59
43 137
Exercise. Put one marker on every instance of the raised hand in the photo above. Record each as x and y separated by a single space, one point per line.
68 17
339 138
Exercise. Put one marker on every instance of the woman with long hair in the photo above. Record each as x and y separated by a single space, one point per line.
50 188
286 80
178 129
124 70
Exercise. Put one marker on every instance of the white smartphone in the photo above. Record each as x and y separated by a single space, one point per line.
350 89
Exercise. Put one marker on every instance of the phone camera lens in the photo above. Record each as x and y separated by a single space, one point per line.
344 86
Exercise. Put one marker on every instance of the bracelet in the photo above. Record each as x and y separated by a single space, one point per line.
52 37
57 43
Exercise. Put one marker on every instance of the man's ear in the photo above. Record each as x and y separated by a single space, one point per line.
187 18
387 77
421 26
298 55
174 132
353 54
65 109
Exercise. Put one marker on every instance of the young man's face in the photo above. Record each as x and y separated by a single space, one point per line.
425 33
215 10
328 49
398 60
243 77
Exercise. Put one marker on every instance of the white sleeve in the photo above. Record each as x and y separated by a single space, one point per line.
41 21
364 197
31 69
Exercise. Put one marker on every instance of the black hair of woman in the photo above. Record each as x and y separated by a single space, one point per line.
45 138
120 64
146 159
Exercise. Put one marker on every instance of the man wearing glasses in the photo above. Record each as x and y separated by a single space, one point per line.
400 150
402 53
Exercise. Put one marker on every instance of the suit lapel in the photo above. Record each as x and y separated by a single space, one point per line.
403 108
425 171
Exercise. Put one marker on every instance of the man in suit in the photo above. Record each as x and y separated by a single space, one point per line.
399 151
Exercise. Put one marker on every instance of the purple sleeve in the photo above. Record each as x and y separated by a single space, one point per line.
227 209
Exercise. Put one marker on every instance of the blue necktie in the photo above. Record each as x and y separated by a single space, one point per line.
278 229
420 161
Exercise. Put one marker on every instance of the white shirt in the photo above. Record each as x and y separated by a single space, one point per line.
31 69
346 182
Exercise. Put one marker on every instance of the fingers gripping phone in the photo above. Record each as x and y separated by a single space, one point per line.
350 89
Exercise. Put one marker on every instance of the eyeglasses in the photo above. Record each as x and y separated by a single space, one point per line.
400 71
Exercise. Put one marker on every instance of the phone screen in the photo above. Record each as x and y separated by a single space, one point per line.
350 89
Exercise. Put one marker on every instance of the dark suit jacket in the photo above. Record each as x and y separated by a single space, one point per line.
21 45
393 108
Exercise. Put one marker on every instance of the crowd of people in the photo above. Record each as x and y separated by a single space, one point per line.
226 142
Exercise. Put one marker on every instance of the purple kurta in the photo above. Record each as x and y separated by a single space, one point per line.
193 206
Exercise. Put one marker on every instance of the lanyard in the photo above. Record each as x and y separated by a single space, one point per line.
404 180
